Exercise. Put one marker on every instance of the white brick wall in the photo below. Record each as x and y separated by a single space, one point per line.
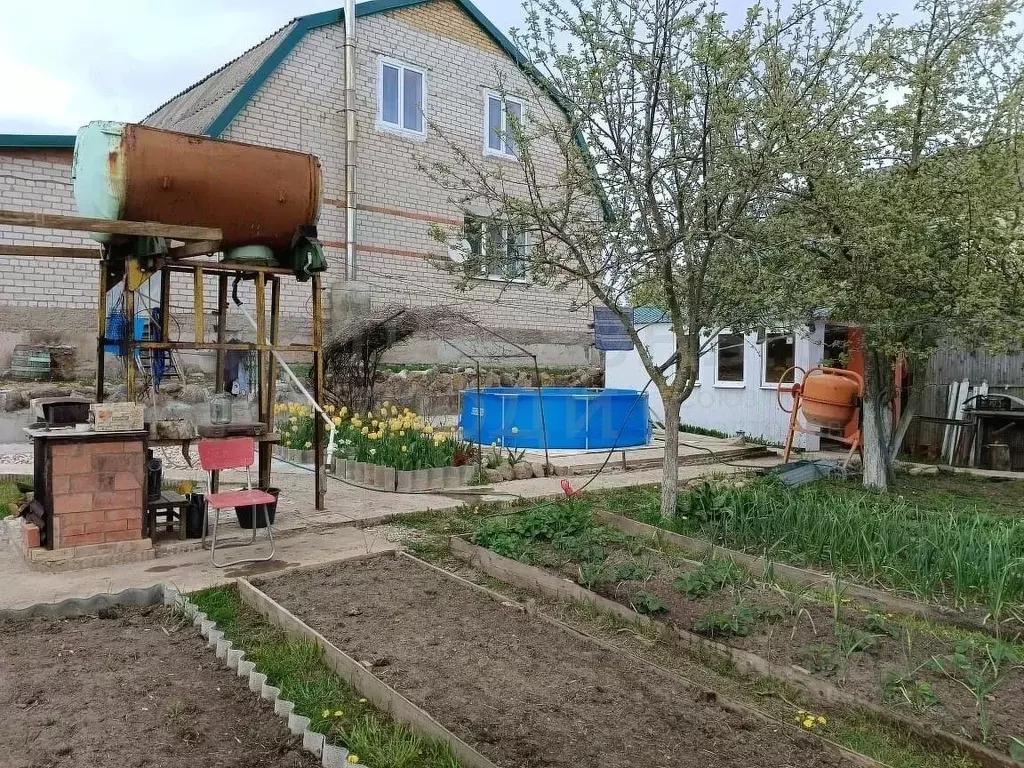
301 107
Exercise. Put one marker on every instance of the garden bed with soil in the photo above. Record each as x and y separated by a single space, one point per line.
134 688
965 683
522 691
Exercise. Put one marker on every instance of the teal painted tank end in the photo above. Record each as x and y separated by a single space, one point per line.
98 172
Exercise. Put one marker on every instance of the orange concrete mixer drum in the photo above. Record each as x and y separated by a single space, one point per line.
826 398
830 397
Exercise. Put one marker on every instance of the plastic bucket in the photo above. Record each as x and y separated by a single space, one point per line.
251 516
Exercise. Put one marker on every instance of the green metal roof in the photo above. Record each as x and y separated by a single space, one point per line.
649 315
36 141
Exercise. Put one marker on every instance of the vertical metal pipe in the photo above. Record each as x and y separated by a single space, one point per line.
129 338
222 330
350 140
320 479
101 329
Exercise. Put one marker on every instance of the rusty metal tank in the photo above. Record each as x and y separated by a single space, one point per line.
830 396
255 195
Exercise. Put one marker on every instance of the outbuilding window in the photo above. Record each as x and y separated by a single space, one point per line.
778 354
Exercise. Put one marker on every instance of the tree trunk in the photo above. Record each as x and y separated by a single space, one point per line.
670 474
875 416
907 415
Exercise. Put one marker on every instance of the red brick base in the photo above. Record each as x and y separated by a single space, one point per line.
97 492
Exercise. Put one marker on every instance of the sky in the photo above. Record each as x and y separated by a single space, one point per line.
66 62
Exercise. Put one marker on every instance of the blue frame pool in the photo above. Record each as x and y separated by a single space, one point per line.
575 417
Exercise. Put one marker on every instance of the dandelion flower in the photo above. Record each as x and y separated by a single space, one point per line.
325 713
822 720
338 712
308 445
362 701
405 449
352 757
809 723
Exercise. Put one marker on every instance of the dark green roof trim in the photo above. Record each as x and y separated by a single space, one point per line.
304 24
36 140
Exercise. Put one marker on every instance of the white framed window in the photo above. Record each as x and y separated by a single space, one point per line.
497 251
402 98
730 350
778 356
500 113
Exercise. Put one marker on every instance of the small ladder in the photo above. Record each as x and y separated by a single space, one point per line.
144 360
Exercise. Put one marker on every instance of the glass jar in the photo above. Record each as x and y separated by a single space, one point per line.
220 409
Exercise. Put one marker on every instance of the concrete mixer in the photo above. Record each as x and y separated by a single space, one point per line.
827 398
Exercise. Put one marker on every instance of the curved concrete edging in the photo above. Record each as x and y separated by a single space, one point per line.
76 607
331 755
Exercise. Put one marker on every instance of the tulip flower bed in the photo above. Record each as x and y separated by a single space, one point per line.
959 681
386 448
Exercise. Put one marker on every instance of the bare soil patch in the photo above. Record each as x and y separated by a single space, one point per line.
522 692
121 692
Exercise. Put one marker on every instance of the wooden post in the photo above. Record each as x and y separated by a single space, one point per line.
129 338
101 329
222 330
266 447
197 301
318 392
165 306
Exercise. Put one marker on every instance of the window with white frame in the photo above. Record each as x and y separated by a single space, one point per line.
729 353
402 97
778 356
497 251
501 114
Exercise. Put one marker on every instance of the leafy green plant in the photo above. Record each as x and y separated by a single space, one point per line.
713 575
1017 748
635 570
645 602
514 456
593 574
852 640
907 687
980 668
493 459
737 622
818 657
880 624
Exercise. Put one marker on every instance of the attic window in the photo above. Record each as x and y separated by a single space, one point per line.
402 97
502 116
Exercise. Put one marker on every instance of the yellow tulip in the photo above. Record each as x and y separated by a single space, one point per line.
394 411
308 445
405 449
329 408
336 421
401 433
344 410
427 429
365 430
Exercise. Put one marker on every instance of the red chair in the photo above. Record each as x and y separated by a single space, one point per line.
233 453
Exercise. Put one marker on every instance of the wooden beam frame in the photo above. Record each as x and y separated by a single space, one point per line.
51 252
108 226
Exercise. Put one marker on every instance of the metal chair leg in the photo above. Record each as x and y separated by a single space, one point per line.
252 540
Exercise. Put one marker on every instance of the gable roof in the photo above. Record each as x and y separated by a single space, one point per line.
209 106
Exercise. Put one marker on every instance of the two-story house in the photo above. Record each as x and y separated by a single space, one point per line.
420 66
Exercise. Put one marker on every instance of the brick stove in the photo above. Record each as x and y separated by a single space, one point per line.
90 492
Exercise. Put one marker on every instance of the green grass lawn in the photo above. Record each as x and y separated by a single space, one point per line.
8 492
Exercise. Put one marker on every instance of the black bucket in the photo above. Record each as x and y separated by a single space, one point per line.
251 516
194 515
